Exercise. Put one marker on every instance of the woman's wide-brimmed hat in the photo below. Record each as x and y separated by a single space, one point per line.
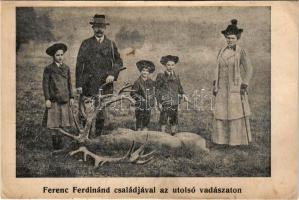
232 29
146 64
55 47
99 20
167 58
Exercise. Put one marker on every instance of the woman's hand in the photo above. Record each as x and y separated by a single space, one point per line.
214 91
48 104
243 89
214 88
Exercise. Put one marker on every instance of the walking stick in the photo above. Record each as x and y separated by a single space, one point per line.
242 98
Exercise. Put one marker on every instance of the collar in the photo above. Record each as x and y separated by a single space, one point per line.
169 73
141 79
170 76
60 69
237 50
99 39
232 48
58 64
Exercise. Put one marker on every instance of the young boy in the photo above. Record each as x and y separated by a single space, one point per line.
144 94
58 94
169 92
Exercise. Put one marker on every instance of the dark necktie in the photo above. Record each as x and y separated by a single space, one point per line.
232 47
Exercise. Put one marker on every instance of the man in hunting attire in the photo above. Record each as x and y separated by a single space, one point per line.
98 65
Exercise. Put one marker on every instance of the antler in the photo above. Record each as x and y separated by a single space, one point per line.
81 138
123 89
75 120
108 99
137 156
90 111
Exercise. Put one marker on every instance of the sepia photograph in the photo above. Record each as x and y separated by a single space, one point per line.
143 91
164 100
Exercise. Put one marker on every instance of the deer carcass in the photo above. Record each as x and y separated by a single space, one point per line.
90 112
154 139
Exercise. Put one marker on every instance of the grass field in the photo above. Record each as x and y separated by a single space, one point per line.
33 142
34 158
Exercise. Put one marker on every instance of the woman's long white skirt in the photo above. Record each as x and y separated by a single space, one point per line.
232 132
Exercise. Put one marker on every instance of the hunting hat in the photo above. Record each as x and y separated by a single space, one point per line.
167 58
55 47
232 29
99 19
146 64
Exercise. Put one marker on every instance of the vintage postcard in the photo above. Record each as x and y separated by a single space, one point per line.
174 100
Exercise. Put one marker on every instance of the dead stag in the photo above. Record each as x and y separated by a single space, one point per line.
89 111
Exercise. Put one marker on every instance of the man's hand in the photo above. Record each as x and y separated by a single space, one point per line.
79 90
71 101
48 104
109 79
185 98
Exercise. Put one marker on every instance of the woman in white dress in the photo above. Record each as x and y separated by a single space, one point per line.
233 72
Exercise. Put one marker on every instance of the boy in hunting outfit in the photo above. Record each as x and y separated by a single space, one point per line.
169 92
58 94
144 94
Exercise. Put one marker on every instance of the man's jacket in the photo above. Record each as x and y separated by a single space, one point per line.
95 61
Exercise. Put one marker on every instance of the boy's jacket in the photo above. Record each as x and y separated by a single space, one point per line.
168 89
144 93
57 83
